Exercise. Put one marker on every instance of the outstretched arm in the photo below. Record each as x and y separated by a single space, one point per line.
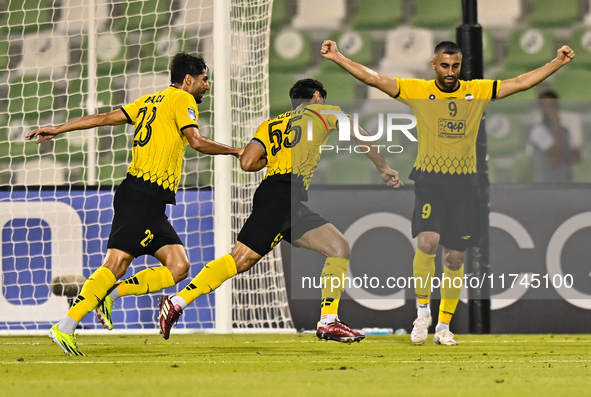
209 146
115 117
535 77
364 74
388 175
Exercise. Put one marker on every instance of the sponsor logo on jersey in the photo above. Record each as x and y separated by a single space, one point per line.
432 97
452 128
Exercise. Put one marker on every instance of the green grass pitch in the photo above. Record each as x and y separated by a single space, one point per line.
297 365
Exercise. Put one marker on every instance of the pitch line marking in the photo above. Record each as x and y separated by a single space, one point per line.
76 362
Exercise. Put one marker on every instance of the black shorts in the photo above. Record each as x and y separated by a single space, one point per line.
276 216
450 210
140 225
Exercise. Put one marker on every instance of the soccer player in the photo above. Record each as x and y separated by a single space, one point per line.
448 113
164 123
282 145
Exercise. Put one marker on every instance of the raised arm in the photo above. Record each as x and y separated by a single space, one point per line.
535 77
115 117
208 146
364 74
388 175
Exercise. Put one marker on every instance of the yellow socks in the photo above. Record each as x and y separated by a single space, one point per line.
149 280
423 270
331 292
93 291
450 294
209 278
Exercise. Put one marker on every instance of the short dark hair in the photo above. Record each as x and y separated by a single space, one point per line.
303 90
447 47
548 94
183 64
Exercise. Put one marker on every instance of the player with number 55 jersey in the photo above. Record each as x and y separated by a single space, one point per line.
290 151
290 148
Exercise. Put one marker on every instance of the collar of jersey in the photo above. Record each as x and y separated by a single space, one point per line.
447 91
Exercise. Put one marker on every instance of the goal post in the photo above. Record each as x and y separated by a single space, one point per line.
259 296
65 59
222 101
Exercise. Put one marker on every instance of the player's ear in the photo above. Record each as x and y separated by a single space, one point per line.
317 97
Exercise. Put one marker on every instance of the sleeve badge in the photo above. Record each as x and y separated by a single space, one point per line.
192 114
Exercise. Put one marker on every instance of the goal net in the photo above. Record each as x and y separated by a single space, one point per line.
61 59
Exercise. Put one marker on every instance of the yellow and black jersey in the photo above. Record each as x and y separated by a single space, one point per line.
447 127
158 142
292 141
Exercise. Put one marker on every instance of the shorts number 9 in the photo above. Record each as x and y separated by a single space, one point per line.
426 211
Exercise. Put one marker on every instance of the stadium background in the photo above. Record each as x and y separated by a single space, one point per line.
397 38
43 59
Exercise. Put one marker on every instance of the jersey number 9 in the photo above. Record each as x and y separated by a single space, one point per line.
453 109
426 211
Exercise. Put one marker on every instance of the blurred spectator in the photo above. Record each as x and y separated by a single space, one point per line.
554 149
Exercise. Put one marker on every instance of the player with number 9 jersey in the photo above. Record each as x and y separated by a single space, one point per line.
447 127
447 207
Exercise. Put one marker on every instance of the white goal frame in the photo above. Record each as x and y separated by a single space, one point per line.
225 183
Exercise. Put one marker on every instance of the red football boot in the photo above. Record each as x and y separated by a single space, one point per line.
339 332
169 315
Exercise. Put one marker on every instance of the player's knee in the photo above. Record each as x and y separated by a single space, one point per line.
345 252
340 249
179 270
428 246
428 243
243 265
453 262
244 257
117 262
118 270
